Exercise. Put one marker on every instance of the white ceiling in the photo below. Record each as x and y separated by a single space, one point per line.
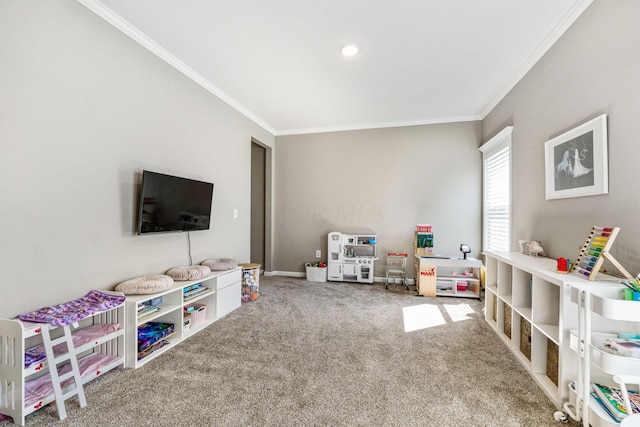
279 62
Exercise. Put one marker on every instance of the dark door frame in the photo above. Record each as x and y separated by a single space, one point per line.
261 205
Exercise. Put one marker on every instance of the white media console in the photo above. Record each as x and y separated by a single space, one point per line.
221 296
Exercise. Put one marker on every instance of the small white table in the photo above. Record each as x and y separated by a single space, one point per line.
454 277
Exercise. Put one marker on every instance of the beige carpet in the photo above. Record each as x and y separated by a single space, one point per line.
324 354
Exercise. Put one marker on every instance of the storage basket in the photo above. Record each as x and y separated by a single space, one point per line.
495 307
461 285
250 281
507 320
525 337
198 313
552 361
316 273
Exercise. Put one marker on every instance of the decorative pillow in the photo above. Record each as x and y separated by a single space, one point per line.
189 272
219 264
149 284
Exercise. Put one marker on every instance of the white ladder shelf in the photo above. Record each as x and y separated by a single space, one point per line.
57 379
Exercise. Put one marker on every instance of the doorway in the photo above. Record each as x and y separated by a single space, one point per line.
260 205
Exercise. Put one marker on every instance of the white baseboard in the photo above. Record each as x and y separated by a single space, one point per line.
302 274
285 273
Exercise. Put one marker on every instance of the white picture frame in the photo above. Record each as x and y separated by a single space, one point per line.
576 162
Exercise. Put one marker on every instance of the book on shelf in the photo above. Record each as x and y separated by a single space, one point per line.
595 397
623 347
194 292
612 400
155 347
192 287
153 301
146 310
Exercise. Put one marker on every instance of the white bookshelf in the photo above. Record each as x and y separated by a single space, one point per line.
528 305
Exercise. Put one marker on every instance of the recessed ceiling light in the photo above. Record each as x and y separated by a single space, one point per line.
349 49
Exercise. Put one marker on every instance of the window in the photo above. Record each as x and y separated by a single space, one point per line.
496 209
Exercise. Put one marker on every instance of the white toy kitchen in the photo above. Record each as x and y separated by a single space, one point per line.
351 257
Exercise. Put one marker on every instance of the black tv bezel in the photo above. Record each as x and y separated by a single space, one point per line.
141 197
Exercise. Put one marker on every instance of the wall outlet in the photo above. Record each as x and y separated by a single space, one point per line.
318 253
235 214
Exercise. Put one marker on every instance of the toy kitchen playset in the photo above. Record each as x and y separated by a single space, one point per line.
351 257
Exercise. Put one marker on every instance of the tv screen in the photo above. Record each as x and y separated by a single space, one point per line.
171 203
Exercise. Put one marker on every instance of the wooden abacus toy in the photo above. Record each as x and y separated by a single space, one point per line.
595 250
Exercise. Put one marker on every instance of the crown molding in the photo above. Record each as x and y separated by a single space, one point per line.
368 126
127 28
567 20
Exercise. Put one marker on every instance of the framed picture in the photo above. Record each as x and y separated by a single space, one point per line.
576 161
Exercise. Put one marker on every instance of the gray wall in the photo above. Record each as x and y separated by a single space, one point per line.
381 181
83 110
593 69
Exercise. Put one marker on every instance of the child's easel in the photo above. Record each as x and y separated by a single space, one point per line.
594 251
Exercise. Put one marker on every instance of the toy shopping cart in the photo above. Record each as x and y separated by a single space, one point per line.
396 268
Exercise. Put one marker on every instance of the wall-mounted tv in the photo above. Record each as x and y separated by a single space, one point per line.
171 204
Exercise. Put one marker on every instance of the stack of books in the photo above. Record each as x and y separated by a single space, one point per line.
153 336
612 401
193 291
147 307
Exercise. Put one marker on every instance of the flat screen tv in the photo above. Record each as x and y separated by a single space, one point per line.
173 204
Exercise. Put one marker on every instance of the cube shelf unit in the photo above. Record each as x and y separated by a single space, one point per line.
528 304
222 297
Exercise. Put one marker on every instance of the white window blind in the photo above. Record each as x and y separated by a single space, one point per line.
497 192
